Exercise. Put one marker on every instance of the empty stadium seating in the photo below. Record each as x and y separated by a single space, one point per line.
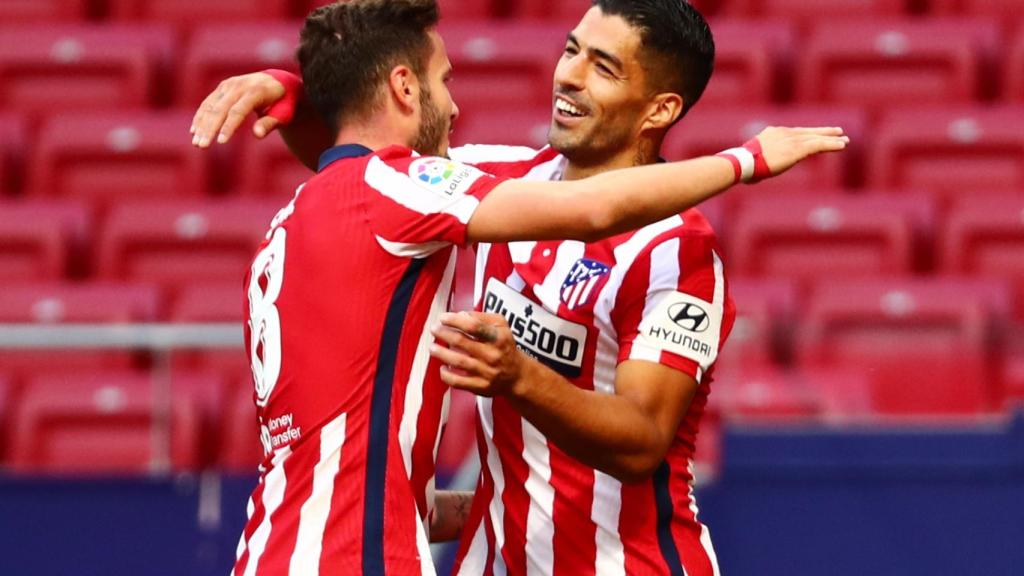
118 156
1014 80
924 344
12 147
985 237
813 236
518 127
43 10
709 131
752 60
179 243
240 448
765 392
951 151
450 9
765 309
813 10
55 303
1013 382
48 68
96 424
501 66
189 11
216 52
885 63
267 168
38 238
207 302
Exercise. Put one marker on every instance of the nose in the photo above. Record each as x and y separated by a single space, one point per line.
570 72
455 111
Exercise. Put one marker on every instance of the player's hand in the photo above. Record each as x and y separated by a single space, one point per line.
478 353
226 108
783 148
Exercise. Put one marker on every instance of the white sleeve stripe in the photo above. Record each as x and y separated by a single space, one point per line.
403 250
746 160
484 153
398 187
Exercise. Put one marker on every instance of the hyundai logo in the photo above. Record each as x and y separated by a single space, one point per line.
689 317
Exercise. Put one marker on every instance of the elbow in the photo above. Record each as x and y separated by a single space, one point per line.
600 220
636 469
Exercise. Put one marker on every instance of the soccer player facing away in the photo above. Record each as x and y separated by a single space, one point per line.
357 266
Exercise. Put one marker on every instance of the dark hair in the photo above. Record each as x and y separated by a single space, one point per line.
677 45
347 50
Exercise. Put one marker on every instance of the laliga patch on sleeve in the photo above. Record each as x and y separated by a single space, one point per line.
684 325
444 177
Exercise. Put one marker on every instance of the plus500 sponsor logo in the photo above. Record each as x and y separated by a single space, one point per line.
555 342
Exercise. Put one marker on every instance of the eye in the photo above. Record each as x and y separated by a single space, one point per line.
604 70
571 50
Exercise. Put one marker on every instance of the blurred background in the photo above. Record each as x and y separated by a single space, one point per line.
863 417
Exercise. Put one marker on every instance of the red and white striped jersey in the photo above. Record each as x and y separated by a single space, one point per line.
659 295
350 404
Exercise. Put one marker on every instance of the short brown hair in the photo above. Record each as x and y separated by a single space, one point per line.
347 50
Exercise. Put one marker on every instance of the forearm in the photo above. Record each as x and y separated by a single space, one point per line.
307 136
451 510
600 206
605 431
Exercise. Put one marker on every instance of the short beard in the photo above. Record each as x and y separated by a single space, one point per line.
432 126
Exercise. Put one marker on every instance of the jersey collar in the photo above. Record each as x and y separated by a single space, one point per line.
342 152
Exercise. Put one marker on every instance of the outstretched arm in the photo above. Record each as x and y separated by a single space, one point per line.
621 200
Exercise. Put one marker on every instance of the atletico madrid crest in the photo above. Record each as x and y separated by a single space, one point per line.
582 281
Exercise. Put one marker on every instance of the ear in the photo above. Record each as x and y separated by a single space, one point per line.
664 110
404 88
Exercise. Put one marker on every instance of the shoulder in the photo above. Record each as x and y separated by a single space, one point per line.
509 161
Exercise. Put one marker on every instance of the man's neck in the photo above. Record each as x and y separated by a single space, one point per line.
640 155
374 137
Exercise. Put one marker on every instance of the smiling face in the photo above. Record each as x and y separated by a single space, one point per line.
601 97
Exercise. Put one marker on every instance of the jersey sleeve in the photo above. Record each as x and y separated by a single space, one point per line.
488 153
418 206
673 307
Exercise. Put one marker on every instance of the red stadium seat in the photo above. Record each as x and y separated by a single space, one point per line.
884 63
43 10
450 9
241 450
1004 9
949 150
177 244
751 63
267 168
99 425
984 237
47 68
116 157
764 309
208 302
1014 81
807 237
765 393
6 400
810 11
98 303
1013 382
217 52
514 127
711 131
12 148
189 11
36 238
923 343
502 66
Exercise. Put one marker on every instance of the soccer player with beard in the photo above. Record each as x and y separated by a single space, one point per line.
361 261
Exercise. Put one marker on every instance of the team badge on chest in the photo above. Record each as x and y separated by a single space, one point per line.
582 282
